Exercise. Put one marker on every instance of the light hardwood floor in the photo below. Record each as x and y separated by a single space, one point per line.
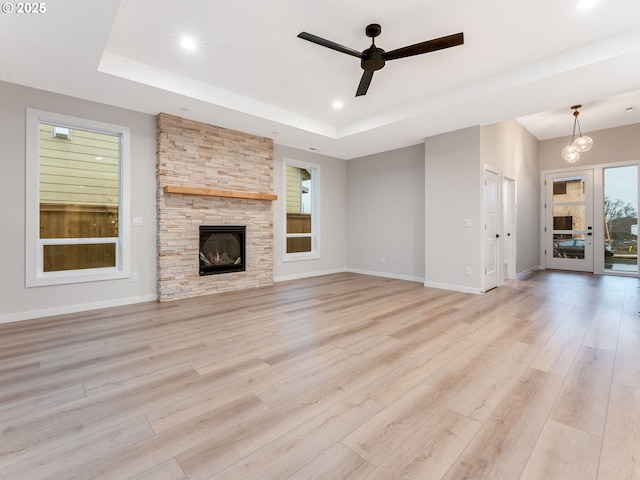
336 377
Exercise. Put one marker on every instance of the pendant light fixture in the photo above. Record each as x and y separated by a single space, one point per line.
571 153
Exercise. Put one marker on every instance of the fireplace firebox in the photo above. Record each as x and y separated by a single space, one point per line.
222 249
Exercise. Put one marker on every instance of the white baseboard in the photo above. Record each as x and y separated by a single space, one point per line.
409 278
81 307
454 288
521 275
285 278
395 276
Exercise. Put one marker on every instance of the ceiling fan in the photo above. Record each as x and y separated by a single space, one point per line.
374 58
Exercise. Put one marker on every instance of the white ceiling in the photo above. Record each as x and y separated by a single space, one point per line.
251 73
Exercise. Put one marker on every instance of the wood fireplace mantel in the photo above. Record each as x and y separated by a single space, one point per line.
209 192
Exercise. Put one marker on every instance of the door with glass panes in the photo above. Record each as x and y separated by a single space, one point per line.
569 240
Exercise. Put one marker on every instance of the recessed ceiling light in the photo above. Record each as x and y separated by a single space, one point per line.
337 105
188 43
582 4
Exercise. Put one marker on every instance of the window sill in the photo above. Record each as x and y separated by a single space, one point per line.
74 276
298 257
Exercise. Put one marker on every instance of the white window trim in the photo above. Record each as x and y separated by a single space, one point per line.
34 275
315 213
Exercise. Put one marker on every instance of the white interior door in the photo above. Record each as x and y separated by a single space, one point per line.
569 220
491 230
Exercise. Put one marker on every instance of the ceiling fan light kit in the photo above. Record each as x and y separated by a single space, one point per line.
571 153
375 58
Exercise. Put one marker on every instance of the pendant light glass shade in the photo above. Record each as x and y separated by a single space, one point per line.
570 154
583 143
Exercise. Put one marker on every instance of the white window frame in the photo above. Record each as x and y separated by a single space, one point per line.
315 212
35 276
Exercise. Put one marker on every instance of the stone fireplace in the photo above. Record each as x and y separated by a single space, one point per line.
211 176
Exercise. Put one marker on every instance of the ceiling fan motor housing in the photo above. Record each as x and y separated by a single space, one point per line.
372 59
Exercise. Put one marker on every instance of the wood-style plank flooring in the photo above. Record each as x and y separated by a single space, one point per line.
337 377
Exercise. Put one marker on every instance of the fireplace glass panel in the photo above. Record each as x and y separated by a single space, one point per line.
222 249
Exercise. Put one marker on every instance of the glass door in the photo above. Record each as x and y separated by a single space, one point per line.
620 208
569 220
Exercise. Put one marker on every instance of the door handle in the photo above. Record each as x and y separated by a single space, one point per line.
497 236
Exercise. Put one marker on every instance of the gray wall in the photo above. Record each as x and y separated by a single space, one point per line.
619 144
333 216
454 192
611 146
453 173
425 191
511 149
385 203
18 302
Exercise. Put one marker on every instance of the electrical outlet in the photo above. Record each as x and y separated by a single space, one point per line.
383 260
467 271
137 220
136 277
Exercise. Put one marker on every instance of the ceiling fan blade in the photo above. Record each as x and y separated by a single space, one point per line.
365 81
329 44
426 47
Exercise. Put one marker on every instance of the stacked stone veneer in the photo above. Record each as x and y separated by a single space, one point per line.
195 154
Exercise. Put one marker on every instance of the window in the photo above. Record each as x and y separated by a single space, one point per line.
77 199
564 222
302 181
620 212
560 188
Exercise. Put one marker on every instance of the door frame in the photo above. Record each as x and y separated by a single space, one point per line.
587 262
499 225
598 211
506 223
509 227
